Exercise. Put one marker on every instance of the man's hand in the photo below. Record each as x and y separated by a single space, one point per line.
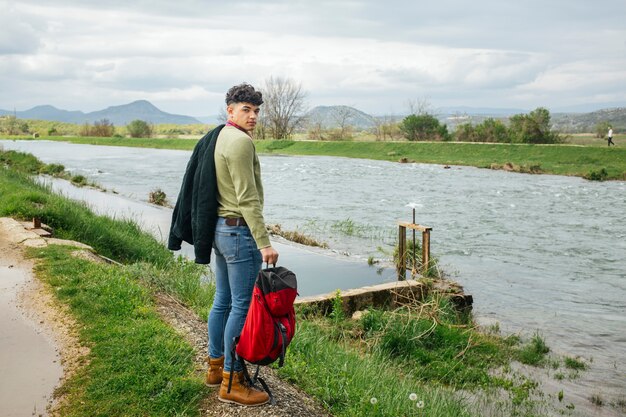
269 254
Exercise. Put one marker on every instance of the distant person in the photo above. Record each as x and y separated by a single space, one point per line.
610 139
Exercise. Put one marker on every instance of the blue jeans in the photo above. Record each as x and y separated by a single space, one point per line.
237 264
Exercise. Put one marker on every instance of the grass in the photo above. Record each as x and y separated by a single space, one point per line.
562 159
137 365
429 350
119 239
574 364
535 352
553 159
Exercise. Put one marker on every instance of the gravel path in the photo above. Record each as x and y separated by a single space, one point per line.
290 401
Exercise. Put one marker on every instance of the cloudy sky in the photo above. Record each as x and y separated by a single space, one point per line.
374 55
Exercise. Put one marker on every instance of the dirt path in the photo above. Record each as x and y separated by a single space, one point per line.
38 347
290 401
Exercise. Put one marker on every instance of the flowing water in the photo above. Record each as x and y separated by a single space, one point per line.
540 252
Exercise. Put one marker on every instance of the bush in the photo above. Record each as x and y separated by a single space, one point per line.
79 180
533 128
158 197
139 129
597 175
102 128
423 127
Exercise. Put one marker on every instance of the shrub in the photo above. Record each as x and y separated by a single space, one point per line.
139 129
158 197
423 127
79 180
533 128
600 175
102 128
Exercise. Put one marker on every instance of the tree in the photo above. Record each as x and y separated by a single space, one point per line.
533 127
601 129
139 129
492 130
342 115
283 106
423 127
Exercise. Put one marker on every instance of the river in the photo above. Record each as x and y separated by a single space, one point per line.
538 252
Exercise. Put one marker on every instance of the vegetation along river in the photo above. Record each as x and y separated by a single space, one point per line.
538 252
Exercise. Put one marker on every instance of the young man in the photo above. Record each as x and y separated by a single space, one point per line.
241 242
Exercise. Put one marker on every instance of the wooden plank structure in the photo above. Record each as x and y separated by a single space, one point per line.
401 266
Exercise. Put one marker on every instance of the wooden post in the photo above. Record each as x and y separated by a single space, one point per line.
402 226
36 223
401 267
425 251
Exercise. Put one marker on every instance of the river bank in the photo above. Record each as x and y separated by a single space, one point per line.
65 214
562 159
287 161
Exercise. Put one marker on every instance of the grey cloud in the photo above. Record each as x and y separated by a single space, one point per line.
20 34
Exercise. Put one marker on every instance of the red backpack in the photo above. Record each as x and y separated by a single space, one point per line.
271 321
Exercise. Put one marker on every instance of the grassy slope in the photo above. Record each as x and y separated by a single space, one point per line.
552 159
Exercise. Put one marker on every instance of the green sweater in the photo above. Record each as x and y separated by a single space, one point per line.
240 191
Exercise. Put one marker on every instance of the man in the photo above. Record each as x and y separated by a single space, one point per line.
611 137
241 241
220 207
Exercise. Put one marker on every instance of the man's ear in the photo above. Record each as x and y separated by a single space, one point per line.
229 110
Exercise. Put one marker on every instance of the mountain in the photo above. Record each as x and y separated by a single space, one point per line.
479 111
118 115
333 116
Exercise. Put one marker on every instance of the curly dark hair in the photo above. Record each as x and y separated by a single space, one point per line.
244 93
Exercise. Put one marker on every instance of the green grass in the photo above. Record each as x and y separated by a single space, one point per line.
137 365
535 352
574 364
430 350
561 159
553 159
119 239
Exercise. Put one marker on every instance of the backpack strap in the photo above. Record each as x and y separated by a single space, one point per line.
283 335
246 374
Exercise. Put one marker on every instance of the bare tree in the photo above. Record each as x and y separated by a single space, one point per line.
420 106
343 115
222 116
283 106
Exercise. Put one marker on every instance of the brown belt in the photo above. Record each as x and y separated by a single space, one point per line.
235 221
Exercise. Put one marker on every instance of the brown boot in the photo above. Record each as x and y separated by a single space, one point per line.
214 374
240 393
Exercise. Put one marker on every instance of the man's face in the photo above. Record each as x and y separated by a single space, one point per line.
243 114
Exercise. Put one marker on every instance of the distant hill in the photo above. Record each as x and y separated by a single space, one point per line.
586 122
331 116
118 115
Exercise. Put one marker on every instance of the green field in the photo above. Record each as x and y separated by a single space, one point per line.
565 159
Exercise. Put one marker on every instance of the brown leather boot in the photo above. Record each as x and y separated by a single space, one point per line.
240 393
214 374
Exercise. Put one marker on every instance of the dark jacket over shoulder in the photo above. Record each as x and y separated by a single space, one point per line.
195 214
